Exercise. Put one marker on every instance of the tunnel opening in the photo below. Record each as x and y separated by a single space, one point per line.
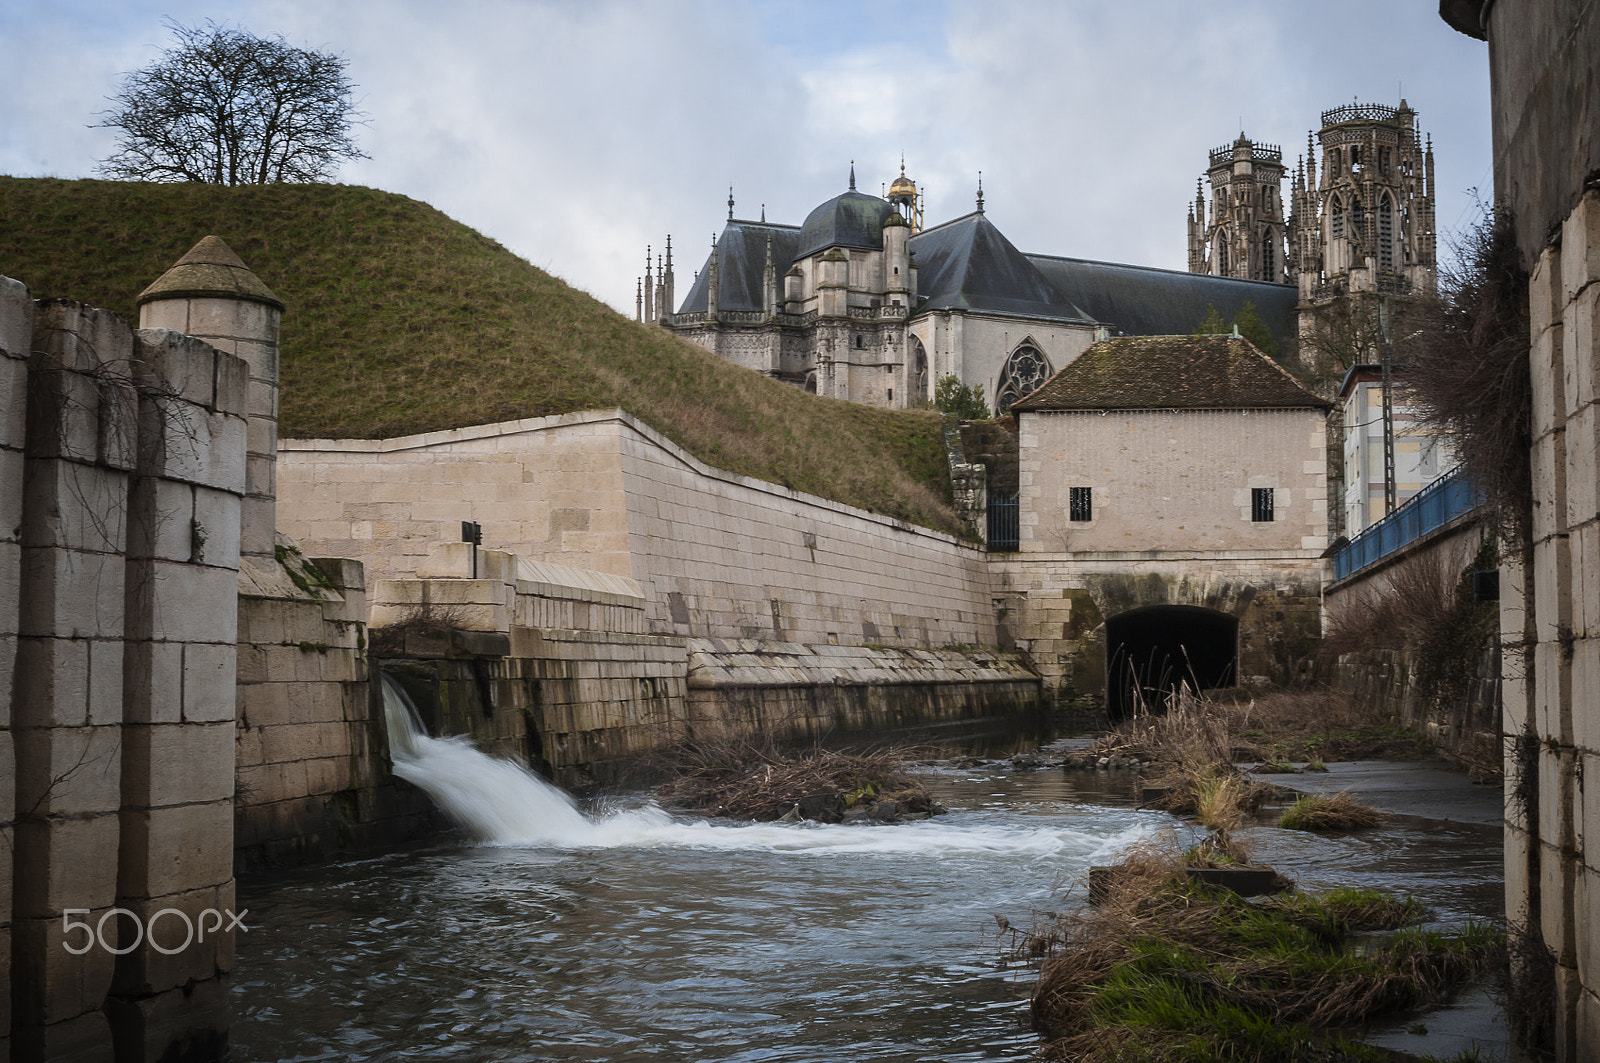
1152 652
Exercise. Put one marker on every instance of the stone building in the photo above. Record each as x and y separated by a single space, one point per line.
1173 498
1244 235
1362 233
861 302
1544 69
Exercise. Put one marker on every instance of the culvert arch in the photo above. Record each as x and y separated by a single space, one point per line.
1151 652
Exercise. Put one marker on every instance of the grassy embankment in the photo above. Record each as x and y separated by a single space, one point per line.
1166 968
401 320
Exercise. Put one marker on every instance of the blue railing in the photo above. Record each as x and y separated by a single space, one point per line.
1003 527
1436 505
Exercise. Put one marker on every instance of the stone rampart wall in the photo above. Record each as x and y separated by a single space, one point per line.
718 555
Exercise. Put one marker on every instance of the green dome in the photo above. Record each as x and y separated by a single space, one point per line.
853 219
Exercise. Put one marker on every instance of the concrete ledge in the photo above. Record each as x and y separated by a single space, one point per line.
718 663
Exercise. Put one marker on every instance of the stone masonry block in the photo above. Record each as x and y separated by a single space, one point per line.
153 682
16 318
171 764
184 925
174 364
233 384
69 865
106 676
209 682
64 413
71 593
160 516
51 683
1545 298
215 533
74 506
68 771
192 603
1580 247
53 986
174 850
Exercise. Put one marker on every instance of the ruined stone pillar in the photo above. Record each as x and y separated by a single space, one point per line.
212 295
67 695
175 867
16 339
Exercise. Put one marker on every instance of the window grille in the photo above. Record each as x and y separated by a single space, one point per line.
1080 503
1261 503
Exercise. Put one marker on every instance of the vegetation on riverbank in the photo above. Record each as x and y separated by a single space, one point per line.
1166 968
1330 812
740 780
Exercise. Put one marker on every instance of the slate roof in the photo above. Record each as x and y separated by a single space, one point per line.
1171 372
741 256
852 219
969 264
1144 301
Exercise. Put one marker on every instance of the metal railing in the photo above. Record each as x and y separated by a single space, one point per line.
1450 496
1004 530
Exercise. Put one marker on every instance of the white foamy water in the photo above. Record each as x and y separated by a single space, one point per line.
500 802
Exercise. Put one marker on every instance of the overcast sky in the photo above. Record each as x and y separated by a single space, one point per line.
577 131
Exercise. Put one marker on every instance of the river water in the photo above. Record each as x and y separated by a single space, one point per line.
645 936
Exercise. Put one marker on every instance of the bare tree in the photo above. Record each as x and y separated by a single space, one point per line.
223 106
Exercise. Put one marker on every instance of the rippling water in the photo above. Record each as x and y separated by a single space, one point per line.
671 938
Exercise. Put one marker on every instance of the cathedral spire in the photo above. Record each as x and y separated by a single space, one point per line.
730 202
852 175
980 191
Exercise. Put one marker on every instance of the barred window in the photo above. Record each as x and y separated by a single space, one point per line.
1261 503
1080 503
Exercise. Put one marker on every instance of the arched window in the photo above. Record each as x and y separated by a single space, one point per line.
1024 371
919 368
1335 218
1358 218
1222 252
811 382
1269 257
1386 233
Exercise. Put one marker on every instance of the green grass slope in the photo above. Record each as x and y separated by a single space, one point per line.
401 320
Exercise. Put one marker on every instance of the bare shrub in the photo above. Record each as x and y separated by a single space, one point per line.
743 780
1470 375
427 619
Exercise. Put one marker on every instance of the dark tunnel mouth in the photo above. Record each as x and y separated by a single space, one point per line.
1151 651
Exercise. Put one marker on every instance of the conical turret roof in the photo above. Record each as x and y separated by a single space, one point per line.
210 269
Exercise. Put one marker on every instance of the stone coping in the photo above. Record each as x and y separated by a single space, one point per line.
1123 556
550 580
715 663
499 429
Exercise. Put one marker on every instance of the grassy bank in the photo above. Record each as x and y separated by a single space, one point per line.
401 320
1169 969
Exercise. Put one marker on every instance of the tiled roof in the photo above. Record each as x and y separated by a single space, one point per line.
1170 372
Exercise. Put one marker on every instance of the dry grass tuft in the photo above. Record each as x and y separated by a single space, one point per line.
1330 812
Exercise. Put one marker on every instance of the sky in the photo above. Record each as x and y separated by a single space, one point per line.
576 132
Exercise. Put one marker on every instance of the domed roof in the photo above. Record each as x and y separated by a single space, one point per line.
853 219
902 186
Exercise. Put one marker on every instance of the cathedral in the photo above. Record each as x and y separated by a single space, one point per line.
864 301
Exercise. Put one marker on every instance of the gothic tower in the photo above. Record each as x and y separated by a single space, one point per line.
1363 232
1244 236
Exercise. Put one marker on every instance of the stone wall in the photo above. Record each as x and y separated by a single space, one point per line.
118 670
1055 607
1173 479
717 555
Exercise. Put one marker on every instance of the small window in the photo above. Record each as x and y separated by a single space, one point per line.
1080 503
1260 503
891 394
858 342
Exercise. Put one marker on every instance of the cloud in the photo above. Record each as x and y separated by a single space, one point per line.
576 133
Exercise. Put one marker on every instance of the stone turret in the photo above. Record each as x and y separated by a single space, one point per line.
212 295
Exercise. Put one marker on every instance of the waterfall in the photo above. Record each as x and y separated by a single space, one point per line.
499 802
